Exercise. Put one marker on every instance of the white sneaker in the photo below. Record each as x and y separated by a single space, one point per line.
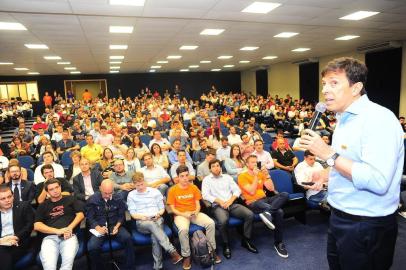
266 218
403 214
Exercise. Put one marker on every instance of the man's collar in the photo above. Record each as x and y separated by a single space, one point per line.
357 105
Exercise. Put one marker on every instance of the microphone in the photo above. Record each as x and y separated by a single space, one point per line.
320 109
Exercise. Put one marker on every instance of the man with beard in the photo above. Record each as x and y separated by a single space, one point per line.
23 190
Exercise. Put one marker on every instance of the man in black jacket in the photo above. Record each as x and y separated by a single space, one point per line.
98 206
23 190
87 182
16 223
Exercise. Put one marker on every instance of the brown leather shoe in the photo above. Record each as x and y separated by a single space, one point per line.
175 257
217 259
187 264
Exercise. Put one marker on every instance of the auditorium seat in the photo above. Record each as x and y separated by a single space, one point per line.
142 239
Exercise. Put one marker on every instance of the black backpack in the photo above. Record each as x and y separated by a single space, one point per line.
201 249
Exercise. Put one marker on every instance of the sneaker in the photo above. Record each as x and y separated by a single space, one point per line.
175 257
187 264
217 259
281 250
266 218
402 213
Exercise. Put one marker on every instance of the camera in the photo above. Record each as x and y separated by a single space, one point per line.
259 164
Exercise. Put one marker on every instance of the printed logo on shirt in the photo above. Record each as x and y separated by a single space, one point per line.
187 196
57 211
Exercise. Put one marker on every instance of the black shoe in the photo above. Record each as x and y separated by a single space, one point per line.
281 250
227 252
249 246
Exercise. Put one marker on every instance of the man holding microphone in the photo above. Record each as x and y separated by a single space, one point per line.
364 180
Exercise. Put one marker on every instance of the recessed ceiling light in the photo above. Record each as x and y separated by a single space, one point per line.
114 67
114 71
36 46
33 73
211 32
52 57
184 70
121 29
116 57
193 66
188 47
6 63
347 37
249 48
21 68
174 57
228 66
269 57
205 62
118 47
225 57
301 50
115 62
63 63
155 67
260 7
75 72
359 15
162 62
244 62
137 3
286 34
215 69
11 26
70 68
152 70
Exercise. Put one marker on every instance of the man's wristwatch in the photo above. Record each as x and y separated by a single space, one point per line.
331 160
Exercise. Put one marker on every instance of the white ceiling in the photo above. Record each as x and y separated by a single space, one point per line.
78 31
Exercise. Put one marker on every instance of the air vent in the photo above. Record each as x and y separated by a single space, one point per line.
379 46
306 61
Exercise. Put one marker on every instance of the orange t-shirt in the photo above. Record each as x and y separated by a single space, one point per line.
246 179
184 199
47 100
87 96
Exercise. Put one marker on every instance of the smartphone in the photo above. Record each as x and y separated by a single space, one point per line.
308 183
259 164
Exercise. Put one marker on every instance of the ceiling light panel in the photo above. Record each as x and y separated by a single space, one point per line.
228 66
184 70
63 63
155 67
205 62
6 63
225 57
21 68
249 48
116 57
174 57
135 3
211 32
216 69
114 67
36 46
162 62
286 35
193 66
269 57
244 62
33 73
121 29
118 47
115 62
260 7
52 57
12 26
75 72
70 68
188 47
301 50
114 71
347 37
359 15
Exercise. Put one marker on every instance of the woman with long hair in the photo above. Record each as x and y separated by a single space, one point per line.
139 147
214 140
106 162
158 157
235 164
19 148
131 162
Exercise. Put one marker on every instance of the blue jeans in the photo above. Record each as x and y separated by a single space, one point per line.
273 205
94 247
361 244
52 246
317 198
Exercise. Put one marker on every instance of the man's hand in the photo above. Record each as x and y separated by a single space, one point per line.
10 240
115 230
101 230
314 143
227 204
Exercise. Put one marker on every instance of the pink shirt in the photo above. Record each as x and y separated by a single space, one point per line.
105 140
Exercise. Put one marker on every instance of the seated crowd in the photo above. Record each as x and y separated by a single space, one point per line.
155 157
